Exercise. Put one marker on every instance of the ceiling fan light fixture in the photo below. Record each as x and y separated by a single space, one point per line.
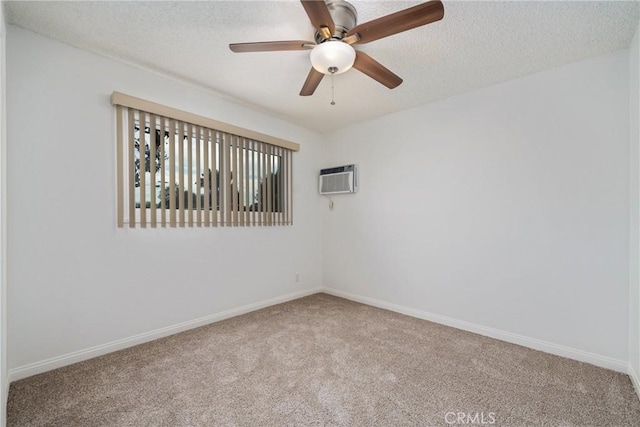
333 57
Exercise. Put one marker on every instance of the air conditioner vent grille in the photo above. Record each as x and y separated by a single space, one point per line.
337 183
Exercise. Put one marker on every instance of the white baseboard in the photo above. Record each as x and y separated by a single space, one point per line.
634 379
99 350
5 398
536 344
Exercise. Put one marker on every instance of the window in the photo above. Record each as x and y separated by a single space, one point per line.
180 170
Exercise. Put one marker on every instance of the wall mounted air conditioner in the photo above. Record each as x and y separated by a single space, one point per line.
339 180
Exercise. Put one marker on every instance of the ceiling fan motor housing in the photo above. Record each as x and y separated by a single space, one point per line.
344 17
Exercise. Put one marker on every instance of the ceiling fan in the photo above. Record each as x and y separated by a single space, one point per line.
336 27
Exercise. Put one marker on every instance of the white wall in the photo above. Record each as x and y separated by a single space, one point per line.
634 198
76 281
4 383
507 207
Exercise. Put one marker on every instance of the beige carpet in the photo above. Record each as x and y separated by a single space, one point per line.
323 360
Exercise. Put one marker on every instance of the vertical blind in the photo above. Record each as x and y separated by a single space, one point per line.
175 169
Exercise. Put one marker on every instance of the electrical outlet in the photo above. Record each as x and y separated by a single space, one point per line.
297 277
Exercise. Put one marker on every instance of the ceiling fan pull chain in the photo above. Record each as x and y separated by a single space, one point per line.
333 102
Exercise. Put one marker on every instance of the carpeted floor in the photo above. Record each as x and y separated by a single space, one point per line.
323 360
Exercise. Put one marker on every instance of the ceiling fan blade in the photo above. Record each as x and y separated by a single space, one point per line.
271 46
319 15
398 22
313 80
372 68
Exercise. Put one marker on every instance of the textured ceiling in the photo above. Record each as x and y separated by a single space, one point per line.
477 44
